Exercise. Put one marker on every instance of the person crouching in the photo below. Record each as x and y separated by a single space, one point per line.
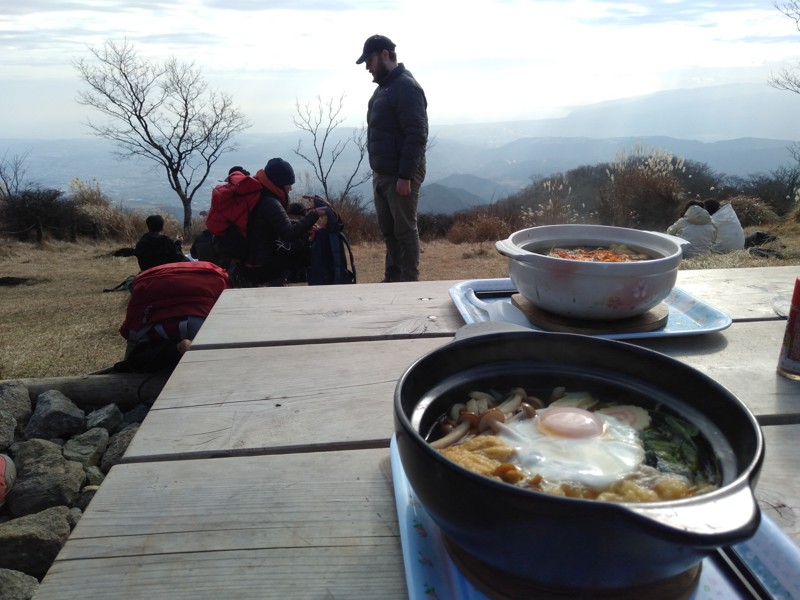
273 239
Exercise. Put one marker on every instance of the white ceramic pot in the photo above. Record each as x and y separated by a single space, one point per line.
591 290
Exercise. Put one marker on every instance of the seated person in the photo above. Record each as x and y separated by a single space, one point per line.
167 307
696 227
203 247
154 248
730 235
273 239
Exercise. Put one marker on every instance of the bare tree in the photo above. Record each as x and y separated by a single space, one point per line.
321 122
788 79
165 113
12 174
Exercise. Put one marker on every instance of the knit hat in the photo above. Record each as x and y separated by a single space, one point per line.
279 172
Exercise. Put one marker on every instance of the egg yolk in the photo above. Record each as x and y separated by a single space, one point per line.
570 422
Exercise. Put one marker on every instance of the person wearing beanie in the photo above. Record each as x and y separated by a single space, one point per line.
154 248
273 239
397 134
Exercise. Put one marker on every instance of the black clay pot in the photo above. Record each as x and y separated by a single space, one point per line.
570 543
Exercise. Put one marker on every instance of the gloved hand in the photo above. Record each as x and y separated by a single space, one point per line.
320 202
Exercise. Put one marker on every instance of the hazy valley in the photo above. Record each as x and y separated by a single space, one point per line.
735 130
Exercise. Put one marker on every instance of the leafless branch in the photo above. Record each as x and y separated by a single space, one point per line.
165 113
320 121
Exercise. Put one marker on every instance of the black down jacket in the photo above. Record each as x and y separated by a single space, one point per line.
397 125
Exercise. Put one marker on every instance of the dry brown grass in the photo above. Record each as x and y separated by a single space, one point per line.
58 322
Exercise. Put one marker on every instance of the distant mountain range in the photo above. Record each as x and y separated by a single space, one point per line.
735 130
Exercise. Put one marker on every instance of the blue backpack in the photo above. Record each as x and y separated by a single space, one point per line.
330 252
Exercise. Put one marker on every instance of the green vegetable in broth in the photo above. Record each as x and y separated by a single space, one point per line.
672 445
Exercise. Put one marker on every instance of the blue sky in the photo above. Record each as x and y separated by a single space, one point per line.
479 60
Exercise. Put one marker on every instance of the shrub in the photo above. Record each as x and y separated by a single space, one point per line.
643 191
478 229
38 212
359 224
552 213
753 211
87 193
433 226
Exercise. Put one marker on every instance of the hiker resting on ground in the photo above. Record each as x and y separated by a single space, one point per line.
154 248
273 239
696 227
730 235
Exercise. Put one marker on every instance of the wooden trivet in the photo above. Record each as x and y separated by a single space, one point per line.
653 319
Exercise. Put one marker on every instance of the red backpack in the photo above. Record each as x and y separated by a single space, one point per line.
231 203
173 291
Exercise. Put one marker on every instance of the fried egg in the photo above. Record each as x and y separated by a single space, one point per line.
573 444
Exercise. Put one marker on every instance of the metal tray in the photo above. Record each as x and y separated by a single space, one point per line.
765 566
687 314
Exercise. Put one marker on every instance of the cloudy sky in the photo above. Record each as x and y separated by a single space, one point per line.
478 60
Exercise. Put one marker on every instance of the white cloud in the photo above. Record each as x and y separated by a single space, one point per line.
486 60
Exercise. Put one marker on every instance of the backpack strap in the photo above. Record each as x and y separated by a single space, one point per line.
350 252
339 242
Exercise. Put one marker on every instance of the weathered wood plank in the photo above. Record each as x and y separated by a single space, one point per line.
296 398
301 314
292 315
778 488
745 294
290 526
272 399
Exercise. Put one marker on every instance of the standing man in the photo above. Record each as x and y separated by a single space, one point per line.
397 133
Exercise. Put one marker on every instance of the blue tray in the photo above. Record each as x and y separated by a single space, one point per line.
770 556
687 314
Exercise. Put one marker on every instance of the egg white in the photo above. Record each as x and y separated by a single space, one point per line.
596 461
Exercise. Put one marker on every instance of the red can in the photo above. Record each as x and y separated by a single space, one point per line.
789 359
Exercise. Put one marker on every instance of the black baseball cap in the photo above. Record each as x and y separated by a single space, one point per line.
375 43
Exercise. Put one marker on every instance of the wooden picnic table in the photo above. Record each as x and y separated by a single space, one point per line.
262 470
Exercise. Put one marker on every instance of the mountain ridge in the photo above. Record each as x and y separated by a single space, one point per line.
479 162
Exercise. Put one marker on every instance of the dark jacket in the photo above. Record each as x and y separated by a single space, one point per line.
155 249
270 231
397 125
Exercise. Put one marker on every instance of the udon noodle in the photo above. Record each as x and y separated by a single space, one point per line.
577 445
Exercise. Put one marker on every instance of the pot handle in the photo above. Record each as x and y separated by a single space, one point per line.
480 328
714 520
506 248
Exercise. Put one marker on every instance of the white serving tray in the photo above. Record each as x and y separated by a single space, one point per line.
687 314
770 556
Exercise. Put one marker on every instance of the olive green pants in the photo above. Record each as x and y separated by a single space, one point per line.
397 219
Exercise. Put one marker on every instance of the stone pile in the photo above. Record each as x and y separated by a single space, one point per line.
62 453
